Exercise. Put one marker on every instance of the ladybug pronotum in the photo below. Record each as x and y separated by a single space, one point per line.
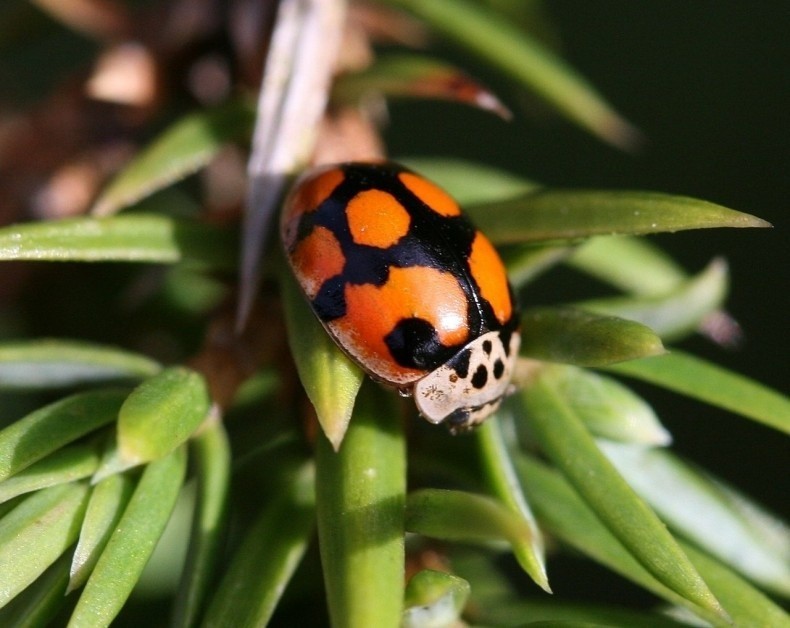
406 285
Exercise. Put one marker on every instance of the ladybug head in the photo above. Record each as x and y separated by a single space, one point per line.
463 392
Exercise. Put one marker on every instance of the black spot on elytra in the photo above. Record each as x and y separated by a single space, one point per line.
414 343
506 333
487 346
499 369
330 302
480 377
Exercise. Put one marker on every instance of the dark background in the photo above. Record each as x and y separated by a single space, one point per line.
708 83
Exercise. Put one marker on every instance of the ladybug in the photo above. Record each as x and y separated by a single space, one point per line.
406 285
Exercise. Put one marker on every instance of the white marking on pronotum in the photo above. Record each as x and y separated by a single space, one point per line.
467 400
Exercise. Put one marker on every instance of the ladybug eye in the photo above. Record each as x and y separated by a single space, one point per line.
458 420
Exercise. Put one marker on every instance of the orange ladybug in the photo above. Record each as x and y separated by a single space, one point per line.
406 285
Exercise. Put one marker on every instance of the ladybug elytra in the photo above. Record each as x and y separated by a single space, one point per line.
406 285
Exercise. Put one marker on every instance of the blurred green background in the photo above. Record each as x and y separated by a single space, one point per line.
708 83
